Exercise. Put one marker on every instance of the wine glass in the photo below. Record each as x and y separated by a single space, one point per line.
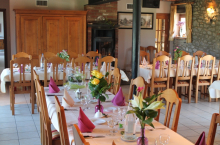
111 125
83 102
87 101
157 141
164 138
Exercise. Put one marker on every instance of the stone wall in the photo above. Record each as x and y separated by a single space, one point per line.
205 35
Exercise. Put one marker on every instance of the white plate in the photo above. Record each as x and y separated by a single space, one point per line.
109 109
98 121
129 139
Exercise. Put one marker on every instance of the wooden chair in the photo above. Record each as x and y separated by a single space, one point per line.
64 137
171 97
185 53
143 55
138 82
199 54
21 55
162 80
152 51
108 60
212 129
73 55
162 53
93 55
113 143
204 79
82 62
115 80
55 61
142 48
78 137
26 86
48 136
48 55
182 78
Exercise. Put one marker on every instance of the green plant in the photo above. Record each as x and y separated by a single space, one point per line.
64 55
177 53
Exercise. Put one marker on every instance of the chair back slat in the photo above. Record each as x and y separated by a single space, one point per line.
78 137
184 53
171 97
92 55
152 51
115 80
21 55
62 122
48 55
162 53
108 60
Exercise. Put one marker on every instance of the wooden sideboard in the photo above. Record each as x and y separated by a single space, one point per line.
1 43
39 31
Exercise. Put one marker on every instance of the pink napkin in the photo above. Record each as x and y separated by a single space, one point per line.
53 87
157 66
119 99
167 62
21 69
201 140
85 125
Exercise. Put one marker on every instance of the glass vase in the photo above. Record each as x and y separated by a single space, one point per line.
142 140
99 107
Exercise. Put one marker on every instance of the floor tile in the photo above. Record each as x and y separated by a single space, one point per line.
26 128
28 135
8 130
30 141
10 142
11 136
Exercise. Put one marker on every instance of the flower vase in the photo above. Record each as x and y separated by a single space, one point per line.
142 140
99 107
181 32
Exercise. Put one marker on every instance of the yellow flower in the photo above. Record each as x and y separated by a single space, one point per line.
94 72
95 81
99 75
137 101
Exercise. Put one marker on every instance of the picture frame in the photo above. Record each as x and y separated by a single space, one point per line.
125 20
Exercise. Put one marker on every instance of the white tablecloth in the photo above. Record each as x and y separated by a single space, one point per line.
6 76
214 89
146 72
72 118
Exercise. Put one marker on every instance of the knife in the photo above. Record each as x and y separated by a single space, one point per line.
98 136
71 109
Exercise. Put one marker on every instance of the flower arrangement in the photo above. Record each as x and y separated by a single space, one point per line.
98 85
145 109
180 24
64 55
177 53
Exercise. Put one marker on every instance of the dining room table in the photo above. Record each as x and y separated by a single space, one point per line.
72 114
6 75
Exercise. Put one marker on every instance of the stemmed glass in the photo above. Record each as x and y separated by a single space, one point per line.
111 124
162 139
88 99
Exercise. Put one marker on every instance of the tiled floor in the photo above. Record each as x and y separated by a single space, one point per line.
24 128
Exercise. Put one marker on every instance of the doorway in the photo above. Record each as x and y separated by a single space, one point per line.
3 39
162 32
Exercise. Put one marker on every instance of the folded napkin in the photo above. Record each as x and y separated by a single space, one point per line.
157 66
103 67
167 62
85 125
119 99
144 61
50 69
53 87
67 100
201 139
21 71
96 63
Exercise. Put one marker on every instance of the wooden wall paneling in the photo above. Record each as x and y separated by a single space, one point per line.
29 34
53 40
73 34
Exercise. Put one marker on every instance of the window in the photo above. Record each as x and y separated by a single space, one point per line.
182 30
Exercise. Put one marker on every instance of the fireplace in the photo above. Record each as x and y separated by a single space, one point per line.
103 41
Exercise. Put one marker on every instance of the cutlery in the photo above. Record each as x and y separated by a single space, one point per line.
98 136
71 109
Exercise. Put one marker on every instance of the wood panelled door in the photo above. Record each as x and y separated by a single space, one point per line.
162 32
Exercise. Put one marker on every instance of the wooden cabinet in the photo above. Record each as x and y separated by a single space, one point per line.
39 31
1 43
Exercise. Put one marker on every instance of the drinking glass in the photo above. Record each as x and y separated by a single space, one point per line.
83 102
164 138
87 101
111 125
157 141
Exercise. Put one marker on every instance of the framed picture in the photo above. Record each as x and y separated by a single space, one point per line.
125 20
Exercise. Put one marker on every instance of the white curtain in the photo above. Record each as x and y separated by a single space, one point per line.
173 10
188 23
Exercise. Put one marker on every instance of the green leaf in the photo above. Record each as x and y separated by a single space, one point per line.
139 116
130 112
144 104
151 113
149 121
106 74
102 98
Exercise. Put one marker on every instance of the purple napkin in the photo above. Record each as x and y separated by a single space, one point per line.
21 71
201 140
96 63
53 87
157 66
119 99
167 62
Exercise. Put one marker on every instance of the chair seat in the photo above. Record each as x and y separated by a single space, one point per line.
183 82
203 81
55 134
159 83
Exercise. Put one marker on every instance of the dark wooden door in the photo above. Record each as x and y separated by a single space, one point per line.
162 32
